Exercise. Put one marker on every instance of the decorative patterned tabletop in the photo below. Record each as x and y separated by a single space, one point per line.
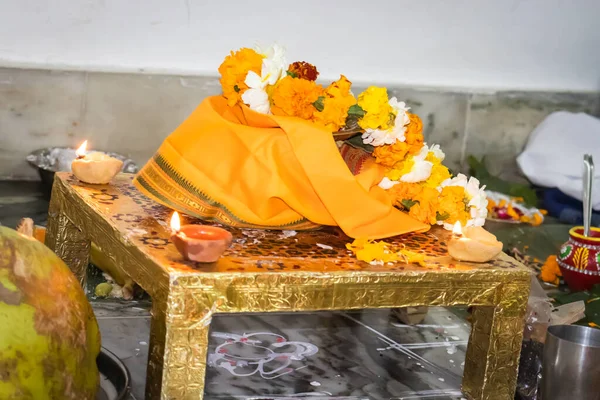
279 271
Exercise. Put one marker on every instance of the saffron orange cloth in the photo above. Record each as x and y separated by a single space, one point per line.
246 169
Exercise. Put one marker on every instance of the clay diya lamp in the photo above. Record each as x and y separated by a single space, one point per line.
200 243
95 168
473 244
579 259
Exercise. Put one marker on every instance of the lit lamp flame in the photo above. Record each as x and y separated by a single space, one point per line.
457 230
81 150
175 222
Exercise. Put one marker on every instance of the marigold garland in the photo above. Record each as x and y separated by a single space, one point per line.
415 177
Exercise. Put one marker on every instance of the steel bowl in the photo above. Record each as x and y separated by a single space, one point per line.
50 160
115 380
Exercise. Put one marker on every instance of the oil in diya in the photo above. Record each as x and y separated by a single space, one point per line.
473 244
95 168
200 243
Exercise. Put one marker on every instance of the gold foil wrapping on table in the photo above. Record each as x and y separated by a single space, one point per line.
270 271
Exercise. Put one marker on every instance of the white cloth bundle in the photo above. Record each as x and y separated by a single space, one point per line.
554 153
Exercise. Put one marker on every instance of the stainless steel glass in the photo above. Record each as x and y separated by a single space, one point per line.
571 365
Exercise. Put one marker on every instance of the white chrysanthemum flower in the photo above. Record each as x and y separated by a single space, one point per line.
377 137
257 100
421 169
273 68
476 196
437 152
274 64
386 183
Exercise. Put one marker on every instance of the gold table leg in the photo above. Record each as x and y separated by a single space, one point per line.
67 240
492 358
178 353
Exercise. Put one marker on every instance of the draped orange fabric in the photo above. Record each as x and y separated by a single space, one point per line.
247 169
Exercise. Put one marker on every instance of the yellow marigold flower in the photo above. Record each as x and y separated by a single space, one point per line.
381 252
303 70
233 72
336 104
378 112
550 271
295 97
439 173
403 168
453 205
413 257
391 154
371 251
394 174
537 219
414 134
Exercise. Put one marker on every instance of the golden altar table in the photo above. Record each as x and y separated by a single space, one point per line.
273 271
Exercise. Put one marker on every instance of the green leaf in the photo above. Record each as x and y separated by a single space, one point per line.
566 298
292 74
356 111
407 203
442 217
357 141
236 88
319 103
595 291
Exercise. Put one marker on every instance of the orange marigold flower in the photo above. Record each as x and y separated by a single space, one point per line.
452 205
233 72
512 212
491 205
426 206
336 104
391 154
340 88
414 134
295 97
405 191
537 219
550 271
303 70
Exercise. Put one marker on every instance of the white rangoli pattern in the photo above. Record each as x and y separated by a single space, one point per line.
266 353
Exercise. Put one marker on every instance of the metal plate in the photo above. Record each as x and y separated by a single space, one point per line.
115 381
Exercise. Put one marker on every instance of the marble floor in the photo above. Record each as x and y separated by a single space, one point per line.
326 355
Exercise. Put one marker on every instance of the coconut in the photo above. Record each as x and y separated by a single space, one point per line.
49 337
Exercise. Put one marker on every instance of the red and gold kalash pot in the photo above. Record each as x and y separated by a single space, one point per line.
579 259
